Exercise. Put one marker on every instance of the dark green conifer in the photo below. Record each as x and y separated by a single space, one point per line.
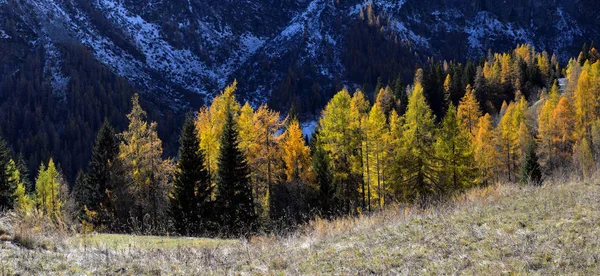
191 184
323 179
234 194
530 171
7 188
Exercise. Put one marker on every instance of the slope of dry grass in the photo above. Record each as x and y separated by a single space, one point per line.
554 229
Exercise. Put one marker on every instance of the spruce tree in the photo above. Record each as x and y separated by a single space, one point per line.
234 194
323 179
530 171
100 177
24 173
191 184
400 96
7 187
80 191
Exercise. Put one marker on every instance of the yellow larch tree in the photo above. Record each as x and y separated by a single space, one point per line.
377 133
210 122
485 152
296 155
359 109
469 111
267 165
563 139
546 129
418 136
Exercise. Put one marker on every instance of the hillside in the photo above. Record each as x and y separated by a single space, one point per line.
508 228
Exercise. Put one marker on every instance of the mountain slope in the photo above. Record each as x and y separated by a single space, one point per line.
194 47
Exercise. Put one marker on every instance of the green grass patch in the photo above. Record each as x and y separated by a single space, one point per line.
123 242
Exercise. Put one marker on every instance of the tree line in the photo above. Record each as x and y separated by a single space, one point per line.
241 169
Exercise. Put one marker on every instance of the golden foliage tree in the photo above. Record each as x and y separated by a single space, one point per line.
454 153
336 136
484 147
469 111
210 122
376 133
417 139
48 190
296 155
148 174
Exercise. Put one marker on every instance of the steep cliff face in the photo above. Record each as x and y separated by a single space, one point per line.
184 51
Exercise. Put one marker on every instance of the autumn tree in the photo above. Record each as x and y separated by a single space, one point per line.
376 133
265 160
468 111
546 129
210 122
385 99
484 148
148 175
48 190
585 99
192 190
359 109
563 139
417 138
454 152
584 158
336 136
514 135
296 154
23 202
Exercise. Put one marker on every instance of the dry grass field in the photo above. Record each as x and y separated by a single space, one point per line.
503 229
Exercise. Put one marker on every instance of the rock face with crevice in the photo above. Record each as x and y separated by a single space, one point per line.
183 51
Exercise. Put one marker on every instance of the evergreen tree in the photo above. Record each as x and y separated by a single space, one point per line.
100 178
234 193
81 193
191 184
24 173
530 171
400 96
323 179
7 187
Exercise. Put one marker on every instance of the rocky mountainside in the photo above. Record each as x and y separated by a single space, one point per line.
183 51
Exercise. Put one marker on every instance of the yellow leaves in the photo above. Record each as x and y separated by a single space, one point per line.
469 111
336 125
485 152
584 158
296 154
23 202
48 190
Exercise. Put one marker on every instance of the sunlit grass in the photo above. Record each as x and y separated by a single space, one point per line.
122 242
